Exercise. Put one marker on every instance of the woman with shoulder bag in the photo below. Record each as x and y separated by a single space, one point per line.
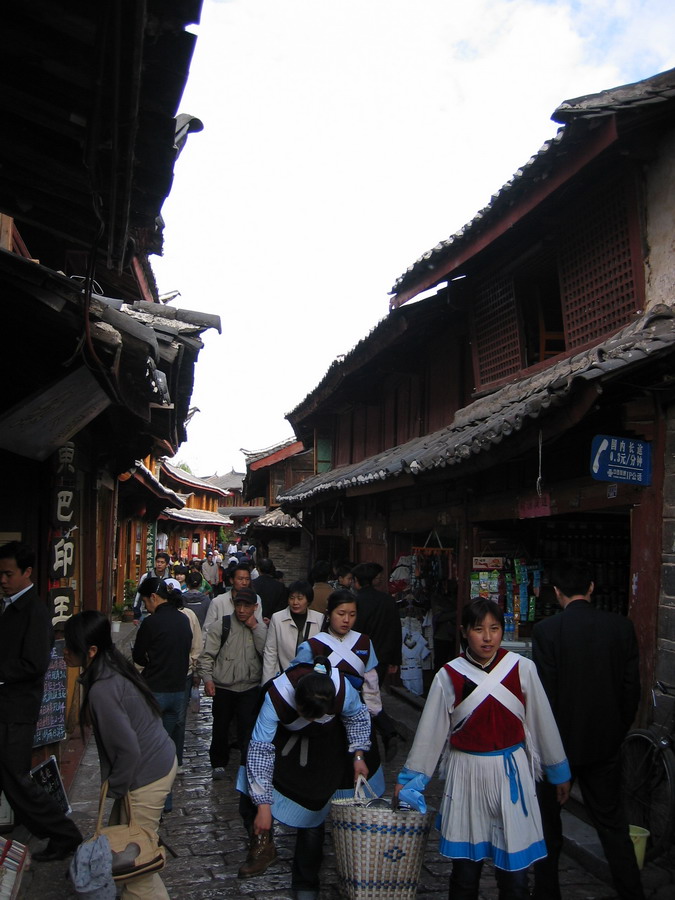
136 754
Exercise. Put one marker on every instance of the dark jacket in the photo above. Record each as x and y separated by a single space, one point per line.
26 640
587 660
198 602
273 593
163 647
377 616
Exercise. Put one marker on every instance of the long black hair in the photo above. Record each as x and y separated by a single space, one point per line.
91 628
315 692
337 598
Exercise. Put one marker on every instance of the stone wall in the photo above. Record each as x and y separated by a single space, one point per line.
660 224
293 562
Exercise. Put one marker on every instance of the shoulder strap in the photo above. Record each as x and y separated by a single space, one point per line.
225 630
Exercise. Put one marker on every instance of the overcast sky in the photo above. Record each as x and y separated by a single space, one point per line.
342 139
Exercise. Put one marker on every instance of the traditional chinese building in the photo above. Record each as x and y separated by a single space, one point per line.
97 371
279 535
189 531
516 405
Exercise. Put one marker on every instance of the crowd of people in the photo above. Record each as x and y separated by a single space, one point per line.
298 671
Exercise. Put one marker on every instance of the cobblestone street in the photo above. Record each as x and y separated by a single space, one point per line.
205 832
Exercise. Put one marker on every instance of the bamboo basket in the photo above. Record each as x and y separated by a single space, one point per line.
379 851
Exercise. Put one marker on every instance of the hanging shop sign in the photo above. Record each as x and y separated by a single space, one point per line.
534 507
621 459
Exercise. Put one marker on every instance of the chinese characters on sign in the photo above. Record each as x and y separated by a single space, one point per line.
621 459
65 514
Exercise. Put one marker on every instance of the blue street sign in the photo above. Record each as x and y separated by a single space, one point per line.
621 459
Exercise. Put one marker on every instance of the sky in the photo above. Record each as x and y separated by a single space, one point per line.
342 139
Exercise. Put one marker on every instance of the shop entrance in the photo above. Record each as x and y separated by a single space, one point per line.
512 563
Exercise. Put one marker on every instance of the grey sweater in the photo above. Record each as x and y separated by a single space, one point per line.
133 747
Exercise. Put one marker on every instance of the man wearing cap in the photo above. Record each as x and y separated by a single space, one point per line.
231 668
223 605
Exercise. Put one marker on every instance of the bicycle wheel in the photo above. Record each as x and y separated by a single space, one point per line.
648 788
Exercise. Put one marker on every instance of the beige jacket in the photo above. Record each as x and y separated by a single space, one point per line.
282 640
237 665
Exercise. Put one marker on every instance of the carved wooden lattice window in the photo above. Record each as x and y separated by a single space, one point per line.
497 335
597 286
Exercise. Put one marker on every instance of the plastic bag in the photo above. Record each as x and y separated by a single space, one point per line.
194 699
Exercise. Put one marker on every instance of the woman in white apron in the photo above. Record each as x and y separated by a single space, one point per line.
502 735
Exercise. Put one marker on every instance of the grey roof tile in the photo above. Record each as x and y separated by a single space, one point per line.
491 419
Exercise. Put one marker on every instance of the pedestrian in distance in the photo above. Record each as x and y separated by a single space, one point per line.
378 617
587 660
136 755
231 667
162 648
493 707
288 628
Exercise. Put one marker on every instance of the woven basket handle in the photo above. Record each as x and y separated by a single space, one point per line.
362 790
101 808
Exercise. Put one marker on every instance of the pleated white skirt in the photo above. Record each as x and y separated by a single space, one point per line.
490 811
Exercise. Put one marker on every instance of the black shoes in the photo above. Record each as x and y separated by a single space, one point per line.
53 852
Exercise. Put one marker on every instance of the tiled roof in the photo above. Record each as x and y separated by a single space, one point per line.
232 481
277 518
185 477
489 420
239 512
254 455
145 476
195 516
652 91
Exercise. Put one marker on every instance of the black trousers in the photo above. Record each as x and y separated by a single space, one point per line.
32 805
600 785
465 881
227 705
382 721
307 858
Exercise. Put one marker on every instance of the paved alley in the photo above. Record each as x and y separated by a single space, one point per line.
205 832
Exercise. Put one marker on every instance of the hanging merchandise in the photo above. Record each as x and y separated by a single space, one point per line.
415 651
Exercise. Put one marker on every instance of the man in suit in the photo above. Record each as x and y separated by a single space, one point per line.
273 593
26 640
378 617
587 660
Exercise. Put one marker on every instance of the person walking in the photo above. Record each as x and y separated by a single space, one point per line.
231 667
493 707
288 628
378 617
162 648
310 718
587 660
136 755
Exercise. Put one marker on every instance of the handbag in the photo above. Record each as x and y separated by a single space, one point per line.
135 848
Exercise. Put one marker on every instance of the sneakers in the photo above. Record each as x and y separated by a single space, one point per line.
261 854
218 773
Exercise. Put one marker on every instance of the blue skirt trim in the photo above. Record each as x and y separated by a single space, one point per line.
509 862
